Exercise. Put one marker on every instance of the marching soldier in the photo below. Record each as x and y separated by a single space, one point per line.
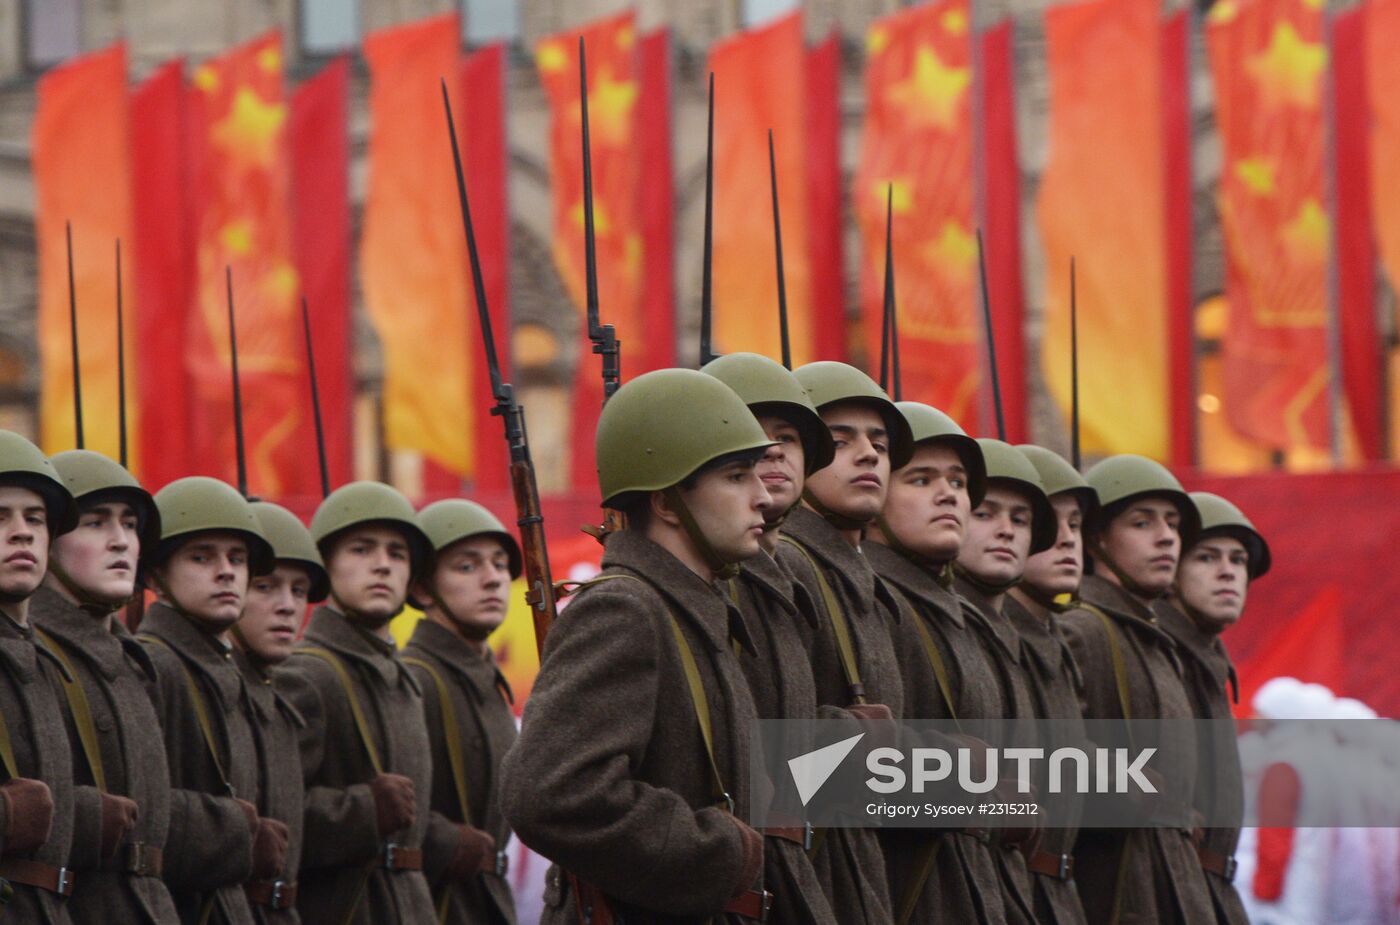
778 669
948 674
122 801
854 663
1212 582
1055 684
464 595
1013 522
1131 671
632 768
36 799
210 545
365 752
265 635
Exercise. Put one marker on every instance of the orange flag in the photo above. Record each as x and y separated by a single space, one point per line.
1268 60
613 93
243 222
1382 37
413 254
82 175
760 84
1102 201
918 141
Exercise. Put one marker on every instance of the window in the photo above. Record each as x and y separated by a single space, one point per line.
329 26
759 12
53 31
486 21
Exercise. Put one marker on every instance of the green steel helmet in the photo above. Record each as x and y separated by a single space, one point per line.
770 389
94 479
291 542
828 382
1007 466
929 425
1059 477
454 519
370 503
1219 516
198 504
662 426
1121 479
24 465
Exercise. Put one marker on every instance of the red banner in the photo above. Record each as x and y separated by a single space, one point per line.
656 198
319 140
1268 60
1383 99
1176 140
826 222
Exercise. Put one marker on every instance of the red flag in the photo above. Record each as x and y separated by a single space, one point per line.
656 200
162 267
1311 648
1176 140
827 229
1383 97
319 140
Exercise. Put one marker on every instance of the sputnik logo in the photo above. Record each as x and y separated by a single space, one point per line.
813 769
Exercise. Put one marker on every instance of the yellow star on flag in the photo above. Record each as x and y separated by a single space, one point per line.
1223 11
1256 173
270 59
626 36
237 237
1289 71
900 192
281 281
1307 238
933 93
877 40
610 105
602 223
954 251
954 22
249 133
206 79
551 58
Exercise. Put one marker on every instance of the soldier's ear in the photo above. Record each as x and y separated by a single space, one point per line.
661 510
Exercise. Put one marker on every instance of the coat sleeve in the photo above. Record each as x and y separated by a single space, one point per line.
572 787
339 823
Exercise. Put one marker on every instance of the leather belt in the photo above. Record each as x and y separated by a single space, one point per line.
797 834
498 863
1214 862
271 894
1049 864
136 859
753 904
397 857
57 880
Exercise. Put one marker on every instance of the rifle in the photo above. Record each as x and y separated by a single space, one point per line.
991 339
778 251
73 343
707 271
315 402
889 327
1074 453
237 392
540 594
604 338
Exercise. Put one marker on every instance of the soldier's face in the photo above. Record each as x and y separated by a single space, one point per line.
729 504
1213 581
24 542
856 482
369 568
472 578
998 536
928 507
1144 543
207 577
1059 569
99 555
782 466
272 617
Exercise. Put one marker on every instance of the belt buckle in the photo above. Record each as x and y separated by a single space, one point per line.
502 863
767 905
136 859
64 887
1231 865
390 853
1064 867
276 900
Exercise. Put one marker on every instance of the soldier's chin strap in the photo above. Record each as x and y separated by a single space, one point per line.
722 568
356 616
839 521
982 584
1048 601
87 601
942 569
1129 585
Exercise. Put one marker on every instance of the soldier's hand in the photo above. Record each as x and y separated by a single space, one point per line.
394 803
269 848
878 723
751 866
28 814
1025 837
119 815
250 812
474 847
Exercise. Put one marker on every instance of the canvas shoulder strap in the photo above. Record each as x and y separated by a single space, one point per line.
840 626
452 733
357 711
1115 652
79 707
201 711
7 750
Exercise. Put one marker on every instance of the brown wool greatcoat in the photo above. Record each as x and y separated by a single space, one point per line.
1210 680
277 734
964 885
115 673
780 680
209 847
1008 657
1055 687
341 847
609 778
849 861
1163 882
31 704
481 701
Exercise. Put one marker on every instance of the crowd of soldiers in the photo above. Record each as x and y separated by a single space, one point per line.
793 545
